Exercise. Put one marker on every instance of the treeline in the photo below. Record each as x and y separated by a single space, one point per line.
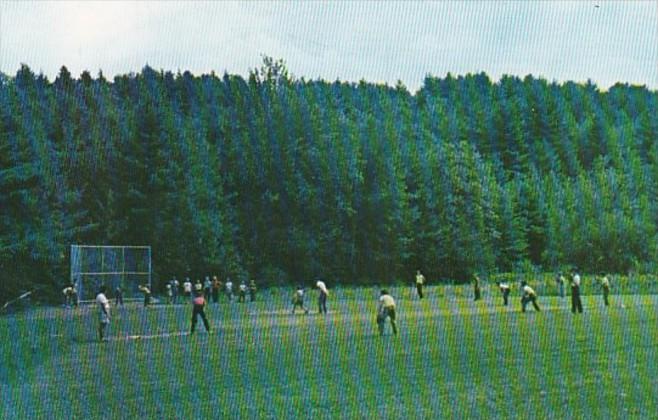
287 179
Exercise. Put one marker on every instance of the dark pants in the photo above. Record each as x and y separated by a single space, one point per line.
252 295
198 311
322 303
526 299
206 293
505 296
242 297
381 320
215 295
576 304
147 299
606 292
477 293
419 288
299 304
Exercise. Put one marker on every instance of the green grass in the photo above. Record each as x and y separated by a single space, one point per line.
453 358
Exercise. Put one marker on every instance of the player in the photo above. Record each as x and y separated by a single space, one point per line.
252 290
229 289
476 288
386 309
576 303
505 290
242 290
174 289
298 300
187 287
420 280
170 293
118 296
104 314
147 294
70 296
207 288
605 285
560 280
198 305
322 298
198 286
529 295
216 287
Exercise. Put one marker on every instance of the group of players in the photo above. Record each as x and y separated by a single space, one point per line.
201 293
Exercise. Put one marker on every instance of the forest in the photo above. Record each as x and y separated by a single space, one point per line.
284 179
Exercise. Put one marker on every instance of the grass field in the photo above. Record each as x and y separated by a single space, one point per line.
453 358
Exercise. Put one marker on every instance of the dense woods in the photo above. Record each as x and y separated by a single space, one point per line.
285 179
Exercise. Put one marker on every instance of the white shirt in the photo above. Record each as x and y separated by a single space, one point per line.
320 284
187 286
102 301
504 286
243 287
576 280
528 290
605 282
420 279
386 301
229 286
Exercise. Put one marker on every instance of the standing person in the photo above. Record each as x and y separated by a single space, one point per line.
207 288
198 286
322 298
174 289
70 296
147 294
298 300
216 285
386 309
476 288
118 296
104 314
242 289
560 280
229 289
576 303
420 280
187 287
170 293
252 290
504 289
529 295
198 305
605 285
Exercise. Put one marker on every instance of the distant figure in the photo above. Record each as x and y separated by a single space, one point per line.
198 305
198 286
229 289
187 287
476 288
252 290
104 314
605 285
174 289
386 309
216 286
242 290
420 280
322 298
560 280
147 294
576 303
207 288
118 296
70 295
504 289
298 300
170 293
529 295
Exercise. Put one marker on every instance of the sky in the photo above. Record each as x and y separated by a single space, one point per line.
381 42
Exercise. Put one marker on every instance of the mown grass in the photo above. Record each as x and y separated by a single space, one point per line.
453 358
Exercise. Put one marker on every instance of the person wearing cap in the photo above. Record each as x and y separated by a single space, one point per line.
386 309
576 303
420 281
104 314
505 290
529 295
322 298
298 300
605 285
198 305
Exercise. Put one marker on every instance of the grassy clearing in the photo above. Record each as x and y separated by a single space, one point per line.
452 358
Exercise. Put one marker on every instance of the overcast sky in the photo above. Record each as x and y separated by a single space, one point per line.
349 40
